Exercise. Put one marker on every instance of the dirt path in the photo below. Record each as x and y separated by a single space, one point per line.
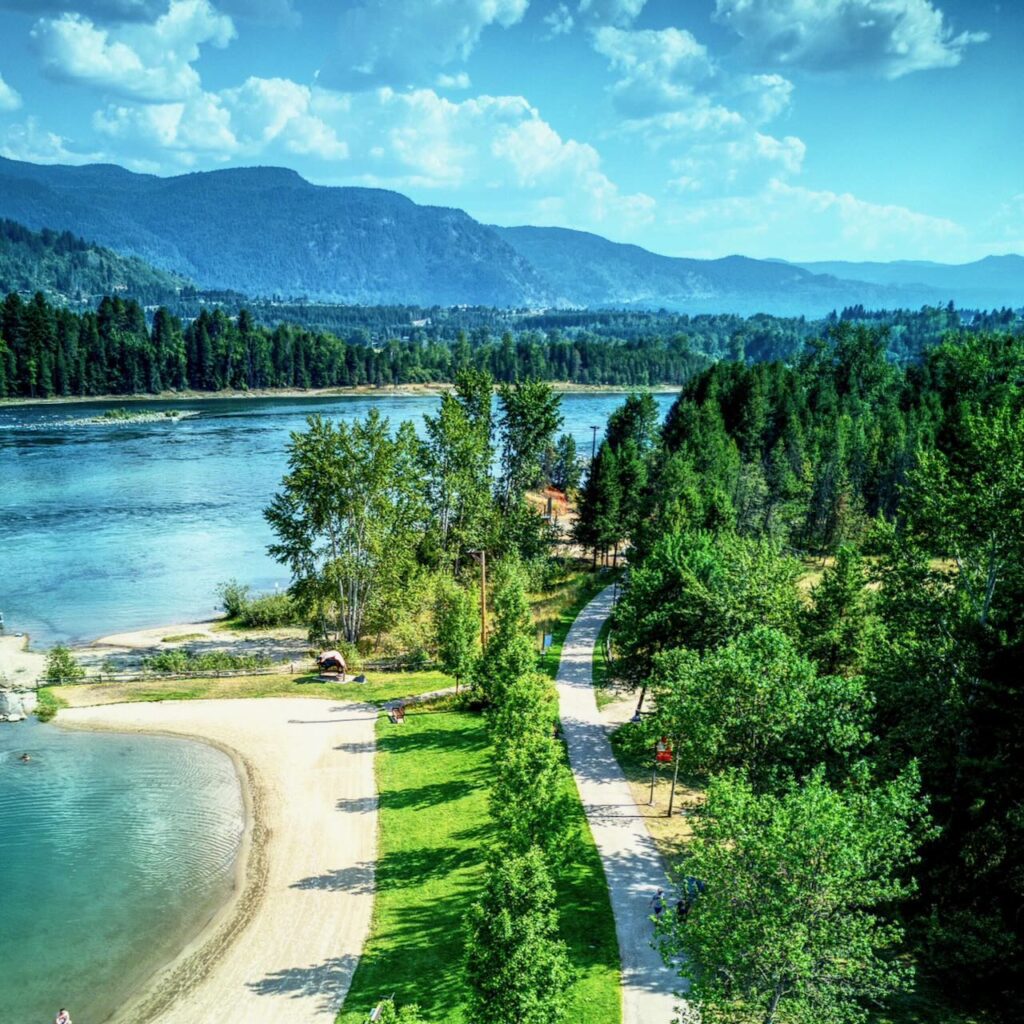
632 865
284 951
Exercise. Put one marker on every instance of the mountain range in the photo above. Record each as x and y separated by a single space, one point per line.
266 231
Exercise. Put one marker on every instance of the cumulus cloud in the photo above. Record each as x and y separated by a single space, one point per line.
657 68
709 123
260 116
30 141
10 99
611 12
887 37
406 42
265 11
801 223
144 61
559 21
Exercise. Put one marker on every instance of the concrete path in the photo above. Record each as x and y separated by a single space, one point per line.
632 866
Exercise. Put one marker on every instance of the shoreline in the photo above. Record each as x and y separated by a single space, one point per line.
190 966
241 961
360 391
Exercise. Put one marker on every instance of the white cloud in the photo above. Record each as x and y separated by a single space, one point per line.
611 12
260 116
459 81
116 10
800 223
10 99
658 69
30 141
405 42
151 62
559 21
887 37
737 164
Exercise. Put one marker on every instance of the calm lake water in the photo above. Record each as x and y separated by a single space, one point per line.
116 850
107 527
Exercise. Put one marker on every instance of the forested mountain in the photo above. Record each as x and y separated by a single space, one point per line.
989 283
265 231
72 271
586 269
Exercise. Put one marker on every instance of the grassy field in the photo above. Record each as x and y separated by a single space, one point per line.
433 775
380 686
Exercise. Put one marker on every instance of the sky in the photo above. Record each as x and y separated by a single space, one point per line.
795 129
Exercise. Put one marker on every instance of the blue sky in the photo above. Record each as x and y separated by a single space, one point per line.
801 129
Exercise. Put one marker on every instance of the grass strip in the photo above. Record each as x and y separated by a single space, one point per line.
433 774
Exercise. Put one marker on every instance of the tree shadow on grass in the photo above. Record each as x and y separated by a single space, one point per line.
429 795
419 740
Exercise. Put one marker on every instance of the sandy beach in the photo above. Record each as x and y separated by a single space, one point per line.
19 667
283 951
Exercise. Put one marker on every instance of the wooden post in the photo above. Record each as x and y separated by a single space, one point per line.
675 776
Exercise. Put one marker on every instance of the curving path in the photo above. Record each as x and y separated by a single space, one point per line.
632 865
284 951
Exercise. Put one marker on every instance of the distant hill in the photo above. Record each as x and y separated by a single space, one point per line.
589 270
72 271
989 283
265 231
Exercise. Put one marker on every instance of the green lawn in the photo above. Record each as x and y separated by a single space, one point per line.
380 687
433 777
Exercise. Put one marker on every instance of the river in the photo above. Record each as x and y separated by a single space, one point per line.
112 526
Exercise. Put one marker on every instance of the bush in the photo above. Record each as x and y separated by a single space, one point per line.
62 668
182 662
234 598
268 610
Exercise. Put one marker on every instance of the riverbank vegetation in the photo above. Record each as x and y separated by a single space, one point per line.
858 738
123 349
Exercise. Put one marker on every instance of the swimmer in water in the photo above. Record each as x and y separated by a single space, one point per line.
25 758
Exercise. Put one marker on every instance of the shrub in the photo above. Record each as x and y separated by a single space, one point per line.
62 668
182 662
268 610
234 598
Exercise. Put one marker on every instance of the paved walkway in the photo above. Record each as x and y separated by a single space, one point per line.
631 862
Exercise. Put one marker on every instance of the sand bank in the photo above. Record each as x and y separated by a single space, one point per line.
284 950
18 666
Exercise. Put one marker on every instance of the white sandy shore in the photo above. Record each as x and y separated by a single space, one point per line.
19 667
284 950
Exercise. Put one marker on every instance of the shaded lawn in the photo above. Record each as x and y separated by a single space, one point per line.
433 774
380 687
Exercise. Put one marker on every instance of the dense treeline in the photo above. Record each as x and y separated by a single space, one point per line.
860 742
47 351
121 348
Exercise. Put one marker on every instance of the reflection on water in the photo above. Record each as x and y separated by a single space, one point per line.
109 526
116 850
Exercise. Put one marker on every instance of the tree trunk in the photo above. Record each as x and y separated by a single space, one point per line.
769 1017
675 777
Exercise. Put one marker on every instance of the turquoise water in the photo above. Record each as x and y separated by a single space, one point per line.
107 527
115 851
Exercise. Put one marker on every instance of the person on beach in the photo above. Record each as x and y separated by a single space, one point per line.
63 1017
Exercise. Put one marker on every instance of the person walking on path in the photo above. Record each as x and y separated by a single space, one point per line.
658 904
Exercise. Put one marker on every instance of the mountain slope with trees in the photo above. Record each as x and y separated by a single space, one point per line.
265 231
74 272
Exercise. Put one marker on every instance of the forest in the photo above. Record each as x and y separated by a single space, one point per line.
824 614
121 348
